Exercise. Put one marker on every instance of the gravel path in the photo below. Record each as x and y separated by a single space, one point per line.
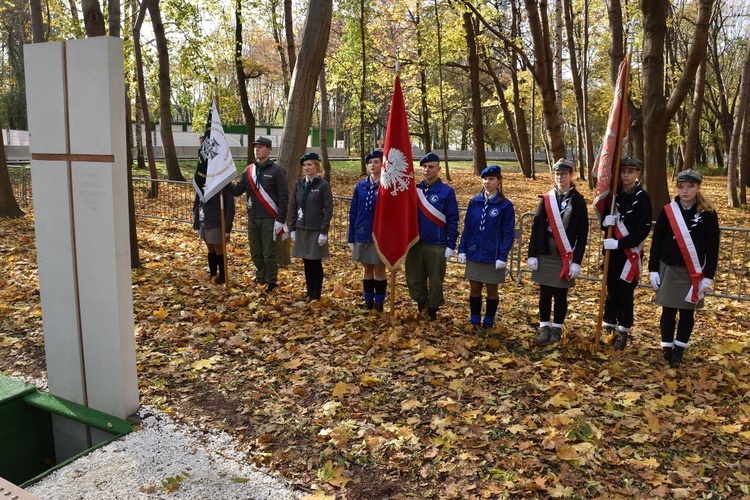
146 463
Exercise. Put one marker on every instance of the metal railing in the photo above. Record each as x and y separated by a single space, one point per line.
175 202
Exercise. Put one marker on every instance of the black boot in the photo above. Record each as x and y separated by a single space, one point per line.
420 306
666 353
220 279
621 340
211 265
676 359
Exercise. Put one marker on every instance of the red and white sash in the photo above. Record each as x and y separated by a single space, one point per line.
261 194
558 231
687 248
631 271
429 210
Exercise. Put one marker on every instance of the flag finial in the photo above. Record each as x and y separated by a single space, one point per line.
398 60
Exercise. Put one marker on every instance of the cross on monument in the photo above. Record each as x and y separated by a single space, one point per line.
76 108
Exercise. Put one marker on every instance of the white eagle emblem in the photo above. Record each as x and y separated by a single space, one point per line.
395 177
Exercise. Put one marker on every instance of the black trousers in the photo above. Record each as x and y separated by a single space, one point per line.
618 306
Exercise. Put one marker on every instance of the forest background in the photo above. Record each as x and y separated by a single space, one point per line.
363 410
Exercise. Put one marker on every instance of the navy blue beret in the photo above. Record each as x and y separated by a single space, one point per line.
492 170
309 156
428 158
375 154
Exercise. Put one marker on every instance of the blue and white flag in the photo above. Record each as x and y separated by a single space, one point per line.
215 164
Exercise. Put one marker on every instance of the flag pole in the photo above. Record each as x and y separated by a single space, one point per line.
392 298
613 189
224 238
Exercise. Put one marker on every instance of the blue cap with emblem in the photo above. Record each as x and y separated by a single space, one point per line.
375 154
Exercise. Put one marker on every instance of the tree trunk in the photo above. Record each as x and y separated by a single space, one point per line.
577 88
37 21
242 82
312 52
543 75
92 18
362 89
480 158
154 191
165 94
8 204
289 32
737 138
324 124
113 12
693 134
657 109
558 62
440 90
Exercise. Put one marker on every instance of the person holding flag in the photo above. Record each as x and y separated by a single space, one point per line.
213 215
631 221
264 181
486 241
438 231
683 261
361 218
311 210
558 240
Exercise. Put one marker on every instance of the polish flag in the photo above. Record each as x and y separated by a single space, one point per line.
396 228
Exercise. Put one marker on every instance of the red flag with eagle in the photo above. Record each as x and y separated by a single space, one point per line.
396 228
611 151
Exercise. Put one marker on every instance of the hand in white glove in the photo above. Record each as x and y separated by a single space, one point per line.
705 284
575 271
351 246
462 258
284 232
610 244
609 220
277 228
293 235
499 264
448 253
322 239
533 263
655 280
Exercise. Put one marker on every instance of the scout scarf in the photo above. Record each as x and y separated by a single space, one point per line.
558 231
687 248
429 211
631 271
263 197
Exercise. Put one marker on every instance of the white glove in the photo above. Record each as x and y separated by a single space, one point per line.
705 284
277 228
322 239
284 232
293 235
655 280
499 264
575 271
462 258
609 220
351 246
533 263
448 253
610 244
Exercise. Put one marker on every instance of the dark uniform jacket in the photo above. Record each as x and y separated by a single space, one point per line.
634 208
208 215
577 227
318 207
273 179
704 230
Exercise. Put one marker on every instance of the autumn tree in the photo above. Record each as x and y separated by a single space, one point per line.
8 204
659 109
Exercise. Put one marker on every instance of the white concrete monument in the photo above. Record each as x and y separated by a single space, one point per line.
75 92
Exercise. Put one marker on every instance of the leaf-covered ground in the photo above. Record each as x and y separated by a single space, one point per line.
343 403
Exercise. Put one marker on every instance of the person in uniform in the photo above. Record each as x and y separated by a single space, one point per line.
683 261
361 219
486 241
264 181
632 223
310 218
438 230
556 246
